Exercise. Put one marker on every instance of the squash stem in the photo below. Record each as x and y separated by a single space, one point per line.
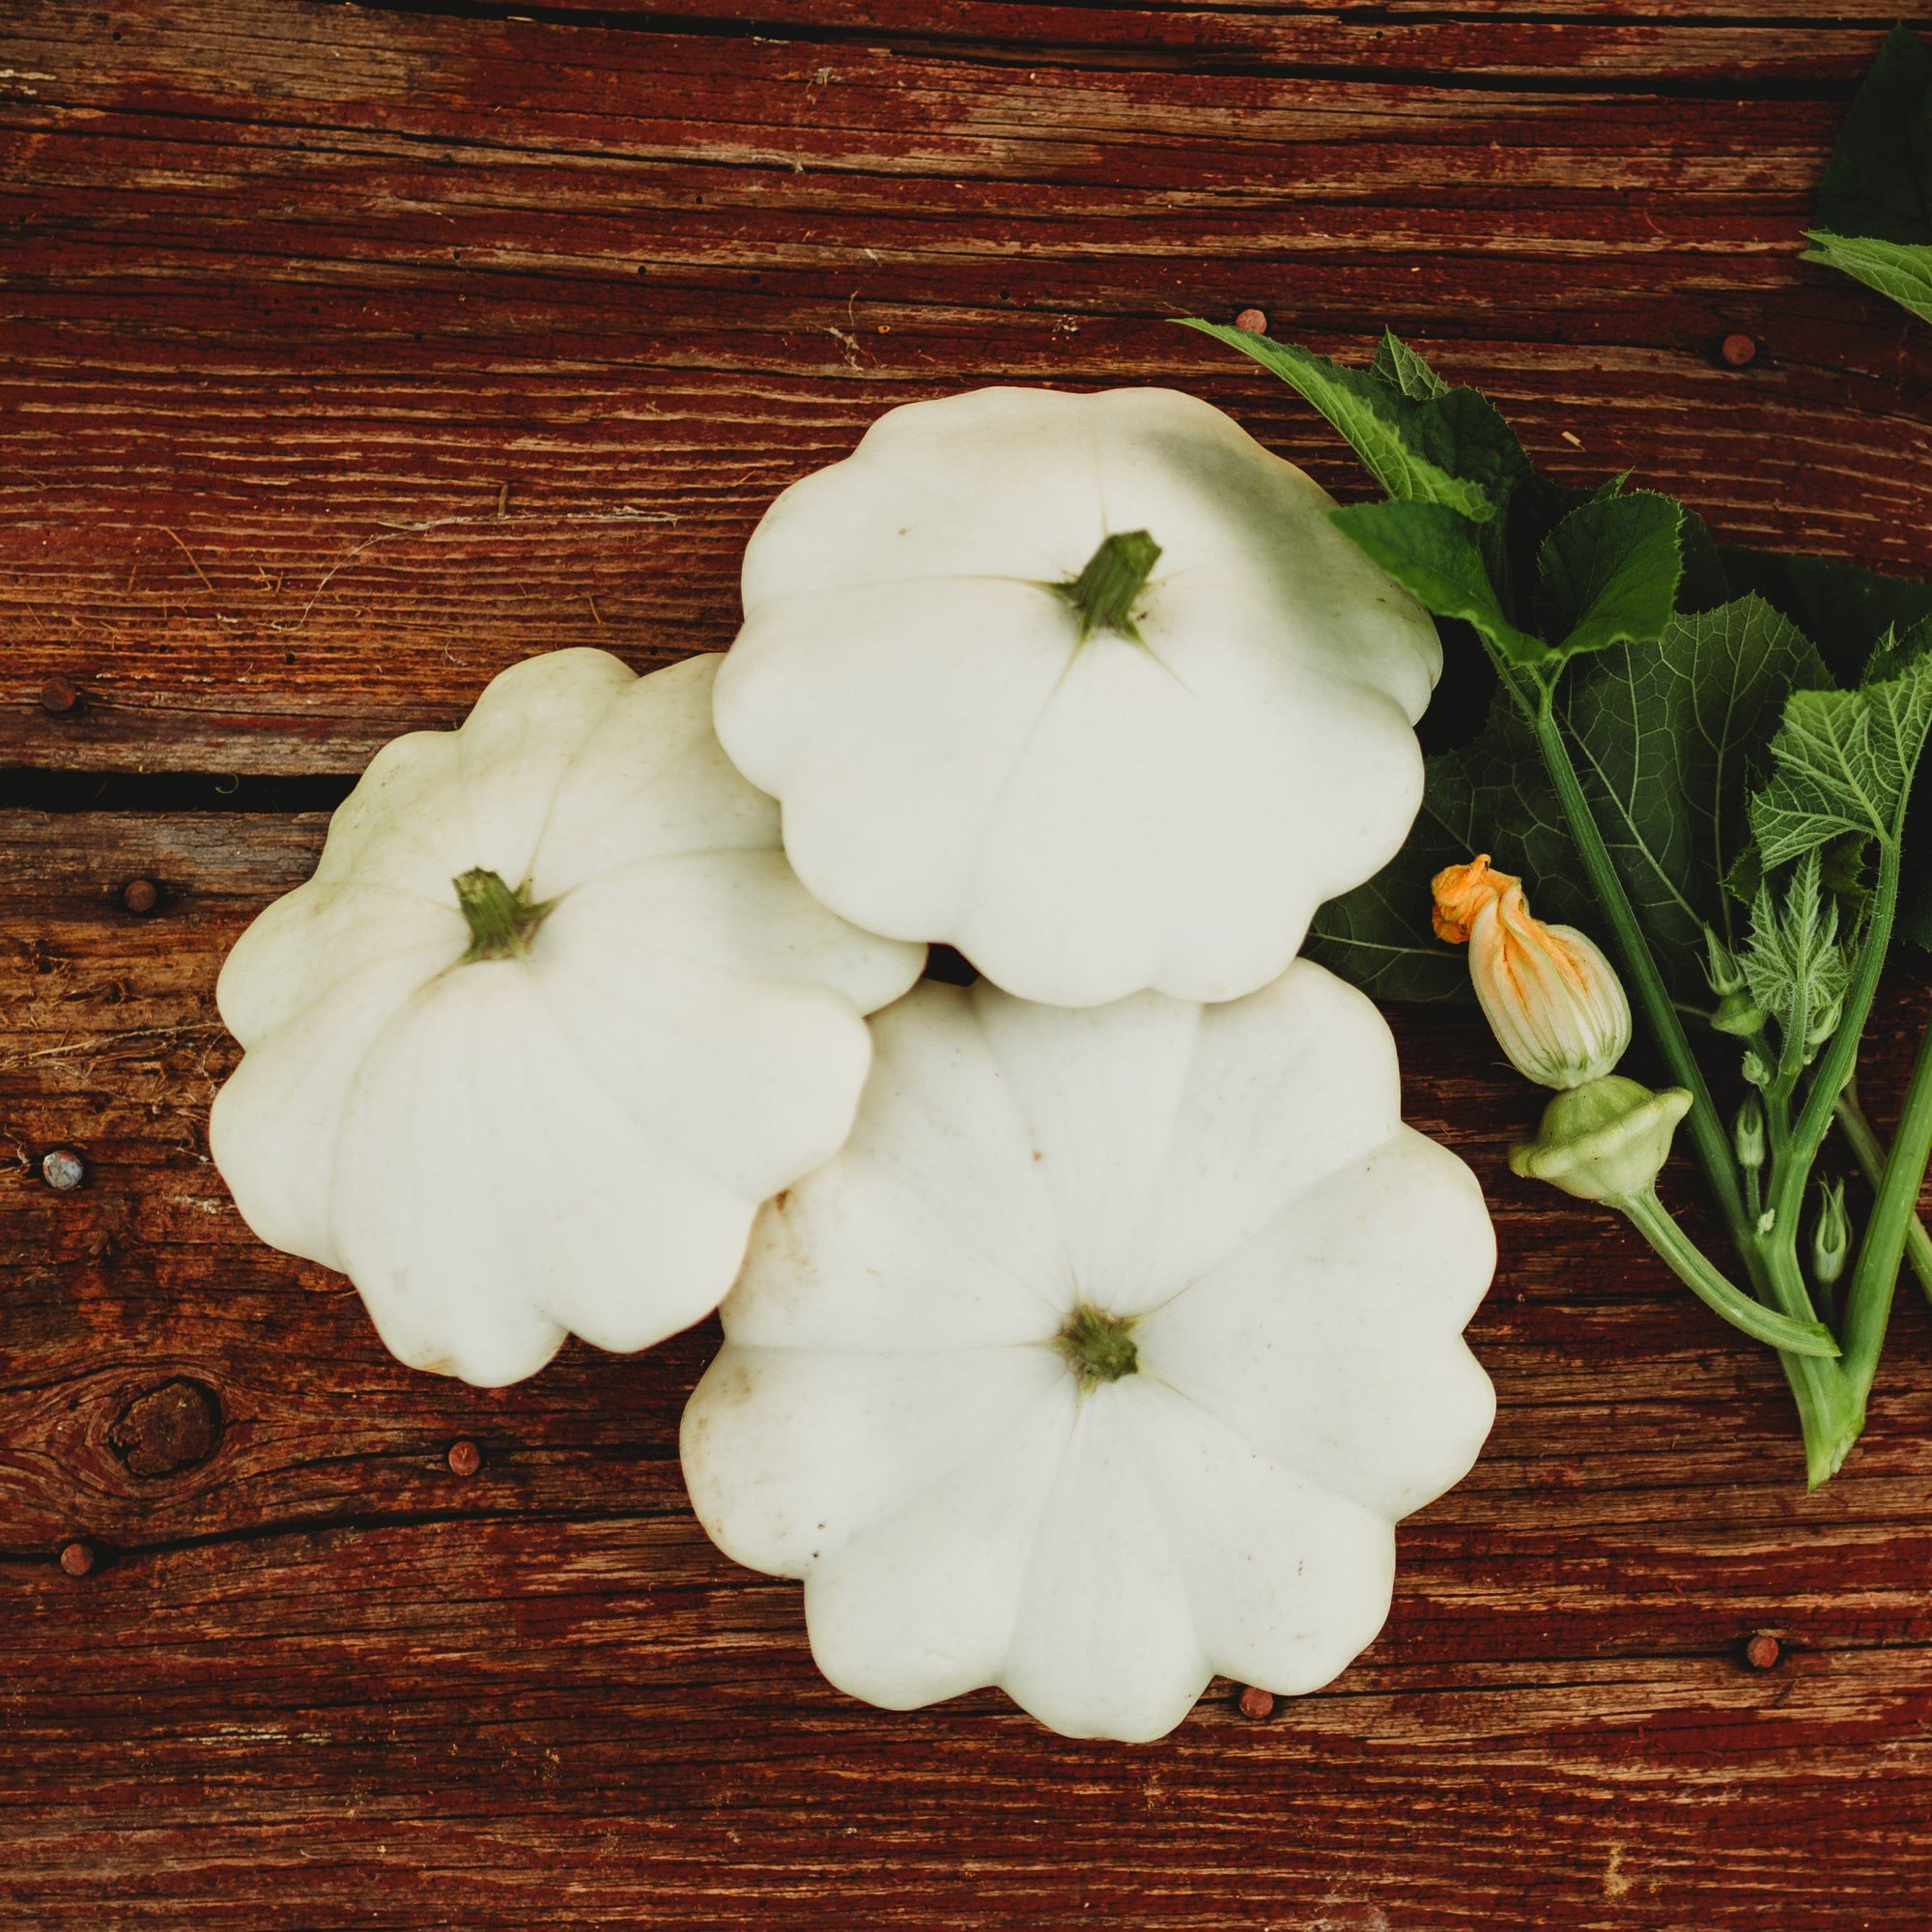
1097 1347
500 921
1112 578
1870 1153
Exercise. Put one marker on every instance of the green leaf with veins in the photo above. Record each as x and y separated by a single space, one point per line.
1793 965
1901 269
1875 202
1445 446
1434 553
1879 179
1898 660
1398 364
1668 741
1608 574
1842 761
1491 796
1843 610
1894 656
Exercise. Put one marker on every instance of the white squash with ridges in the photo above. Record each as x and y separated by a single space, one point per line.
1103 1357
1087 685
550 1021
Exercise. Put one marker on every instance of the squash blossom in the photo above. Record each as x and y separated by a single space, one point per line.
1552 1000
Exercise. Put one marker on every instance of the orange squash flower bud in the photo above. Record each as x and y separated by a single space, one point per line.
1552 1000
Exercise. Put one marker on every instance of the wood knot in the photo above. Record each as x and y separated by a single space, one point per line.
170 1429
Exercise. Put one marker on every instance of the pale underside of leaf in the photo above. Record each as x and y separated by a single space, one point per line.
1843 763
1901 269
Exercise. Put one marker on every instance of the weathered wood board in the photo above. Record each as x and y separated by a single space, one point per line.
348 354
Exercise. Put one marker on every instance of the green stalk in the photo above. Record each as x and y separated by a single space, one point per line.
1868 1305
1832 1397
1830 1411
1714 1145
1791 1335
1869 1153
1840 1058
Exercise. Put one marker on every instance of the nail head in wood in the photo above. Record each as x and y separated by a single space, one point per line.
1739 351
58 697
62 1168
140 896
465 1457
1762 1652
1253 319
1255 1703
77 1558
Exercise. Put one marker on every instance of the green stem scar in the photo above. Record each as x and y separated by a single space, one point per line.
500 921
1114 577
1097 1347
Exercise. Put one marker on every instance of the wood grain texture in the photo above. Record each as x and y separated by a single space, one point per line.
289 295
297 299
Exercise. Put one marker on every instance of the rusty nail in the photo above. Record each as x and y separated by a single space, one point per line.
63 1168
1738 349
77 1558
1253 319
140 896
1254 1702
58 697
465 1457
1762 1651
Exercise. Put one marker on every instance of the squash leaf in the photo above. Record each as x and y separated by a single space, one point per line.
1488 796
1879 179
1875 202
1793 963
1667 742
1608 574
1901 269
1842 761
1435 555
1397 363
1843 610
1422 440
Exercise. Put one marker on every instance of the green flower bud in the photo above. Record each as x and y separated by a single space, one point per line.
1754 1069
1830 1234
1825 1025
1720 966
1603 1141
1739 1014
1747 1134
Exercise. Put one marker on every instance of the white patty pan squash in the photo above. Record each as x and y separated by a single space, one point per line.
1103 1357
1087 685
550 1021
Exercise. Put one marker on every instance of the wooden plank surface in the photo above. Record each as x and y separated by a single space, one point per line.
297 299
289 295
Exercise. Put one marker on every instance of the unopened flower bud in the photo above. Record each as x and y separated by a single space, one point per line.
1720 966
1552 1000
1825 1025
1754 1069
1747 1134
1830 1234
1603 1141
1739 1014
